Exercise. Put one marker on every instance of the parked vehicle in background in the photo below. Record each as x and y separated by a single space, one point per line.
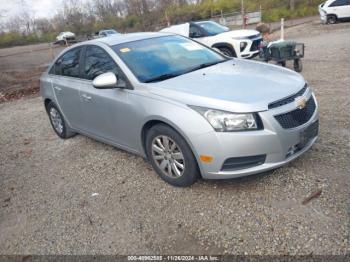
65 37
187 108
236 43
333 11
104 33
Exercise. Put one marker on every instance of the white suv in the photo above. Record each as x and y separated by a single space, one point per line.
335 10
237 43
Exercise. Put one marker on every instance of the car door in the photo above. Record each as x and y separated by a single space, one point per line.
105 111
65 80
338 8
347 9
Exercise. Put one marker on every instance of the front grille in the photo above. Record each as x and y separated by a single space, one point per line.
287 100
255 45
297 117
238 163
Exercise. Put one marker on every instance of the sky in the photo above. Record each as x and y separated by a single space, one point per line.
41 8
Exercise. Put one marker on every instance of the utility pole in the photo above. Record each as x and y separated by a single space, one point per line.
242 13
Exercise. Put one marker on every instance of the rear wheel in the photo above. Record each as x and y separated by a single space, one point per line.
171 157
57 121
331 19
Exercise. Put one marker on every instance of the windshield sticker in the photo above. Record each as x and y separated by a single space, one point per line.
125 50
192 46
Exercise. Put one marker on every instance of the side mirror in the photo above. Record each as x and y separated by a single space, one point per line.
105 81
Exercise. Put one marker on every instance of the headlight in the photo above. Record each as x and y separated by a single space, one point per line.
223 121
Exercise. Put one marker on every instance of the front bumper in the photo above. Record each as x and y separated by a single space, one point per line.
274 141
252 48
323 15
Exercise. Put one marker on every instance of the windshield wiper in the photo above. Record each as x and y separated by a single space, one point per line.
201 66
172 75
162 77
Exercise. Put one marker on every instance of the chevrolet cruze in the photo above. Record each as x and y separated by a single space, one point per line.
187 108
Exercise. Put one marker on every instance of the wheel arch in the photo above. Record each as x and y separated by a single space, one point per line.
47 102
159 120
331 14
227 45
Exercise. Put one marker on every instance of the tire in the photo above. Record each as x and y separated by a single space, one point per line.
298 65
58 122
167 149
227 51
331 19
282 63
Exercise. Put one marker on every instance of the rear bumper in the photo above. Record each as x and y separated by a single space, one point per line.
276 143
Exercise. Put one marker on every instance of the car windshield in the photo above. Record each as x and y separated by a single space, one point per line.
161 58
213 28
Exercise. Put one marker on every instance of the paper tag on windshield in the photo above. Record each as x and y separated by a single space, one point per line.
192 46
125 50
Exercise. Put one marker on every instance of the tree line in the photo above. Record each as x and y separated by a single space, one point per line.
86 16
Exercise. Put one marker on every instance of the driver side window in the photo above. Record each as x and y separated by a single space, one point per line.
195 32
97 62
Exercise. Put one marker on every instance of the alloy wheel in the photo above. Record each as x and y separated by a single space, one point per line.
56 120
168 156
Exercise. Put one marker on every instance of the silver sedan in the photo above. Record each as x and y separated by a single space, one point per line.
189 110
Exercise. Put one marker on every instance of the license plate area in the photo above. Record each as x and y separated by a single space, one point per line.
309 133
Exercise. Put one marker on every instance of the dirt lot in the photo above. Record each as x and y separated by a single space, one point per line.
48 203
21 67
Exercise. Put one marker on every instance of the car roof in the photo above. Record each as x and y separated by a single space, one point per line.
125 38
104 30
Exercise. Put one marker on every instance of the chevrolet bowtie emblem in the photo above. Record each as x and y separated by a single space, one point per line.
300 102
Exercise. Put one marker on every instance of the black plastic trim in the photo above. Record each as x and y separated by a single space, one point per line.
238 163
288 99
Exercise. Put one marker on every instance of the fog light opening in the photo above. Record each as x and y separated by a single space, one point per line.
292 150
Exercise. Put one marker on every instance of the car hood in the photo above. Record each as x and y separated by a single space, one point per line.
236 85
240 33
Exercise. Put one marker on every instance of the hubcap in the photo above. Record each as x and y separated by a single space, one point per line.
168 156
56 120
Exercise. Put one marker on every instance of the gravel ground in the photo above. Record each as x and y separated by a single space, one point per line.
49 205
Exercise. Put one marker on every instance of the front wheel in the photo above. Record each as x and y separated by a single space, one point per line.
331 19
171 157
227 52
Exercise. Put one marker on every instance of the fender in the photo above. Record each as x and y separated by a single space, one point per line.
227 45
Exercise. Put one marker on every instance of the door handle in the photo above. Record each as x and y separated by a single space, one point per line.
58 89
86 97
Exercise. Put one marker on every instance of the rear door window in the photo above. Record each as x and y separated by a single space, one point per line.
68 64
